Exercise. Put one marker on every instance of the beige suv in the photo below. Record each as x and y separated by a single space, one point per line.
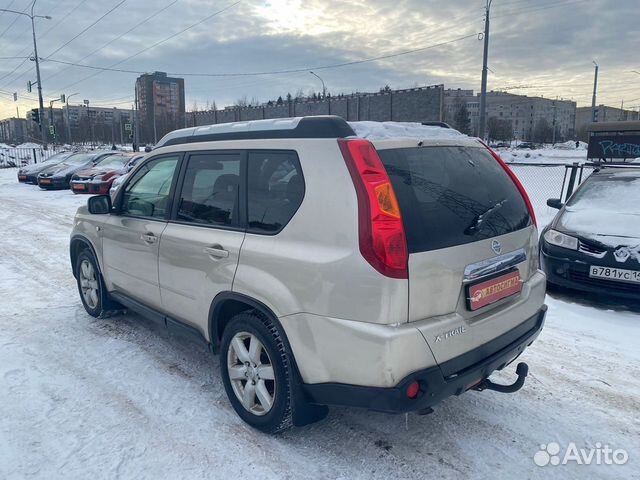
379 265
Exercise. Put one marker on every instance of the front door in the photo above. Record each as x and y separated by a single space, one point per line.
132 237
200 247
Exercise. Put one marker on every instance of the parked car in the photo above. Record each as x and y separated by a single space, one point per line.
29 173
326 265
59 176
120 178
527 145
97 179
593 243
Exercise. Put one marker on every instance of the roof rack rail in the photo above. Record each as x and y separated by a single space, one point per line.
325 126
436 124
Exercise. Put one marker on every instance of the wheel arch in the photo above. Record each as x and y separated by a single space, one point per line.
227 304
76 245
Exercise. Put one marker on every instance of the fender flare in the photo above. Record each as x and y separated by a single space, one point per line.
218 302
87 243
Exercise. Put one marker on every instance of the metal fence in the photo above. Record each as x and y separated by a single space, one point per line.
20 156
550 180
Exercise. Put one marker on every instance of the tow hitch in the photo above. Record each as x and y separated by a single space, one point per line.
521 370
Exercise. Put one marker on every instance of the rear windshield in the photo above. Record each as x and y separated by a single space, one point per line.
453 195
115 161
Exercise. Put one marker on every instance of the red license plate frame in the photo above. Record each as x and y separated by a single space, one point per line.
494 289
45 182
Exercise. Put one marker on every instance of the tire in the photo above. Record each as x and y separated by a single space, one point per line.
269 372
93 294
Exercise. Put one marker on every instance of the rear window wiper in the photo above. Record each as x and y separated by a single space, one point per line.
477 222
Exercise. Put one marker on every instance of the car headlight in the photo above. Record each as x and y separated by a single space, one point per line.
560 239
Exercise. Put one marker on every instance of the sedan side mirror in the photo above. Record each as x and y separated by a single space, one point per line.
555 203
99 205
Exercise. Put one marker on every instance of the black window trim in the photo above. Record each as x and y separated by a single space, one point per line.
239 223
243 217
298 166
171 194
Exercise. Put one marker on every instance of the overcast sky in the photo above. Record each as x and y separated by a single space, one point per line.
544 45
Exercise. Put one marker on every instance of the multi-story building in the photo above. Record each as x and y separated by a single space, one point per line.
518 114
85 123
525 114
13 130
604 113
160 105
454 100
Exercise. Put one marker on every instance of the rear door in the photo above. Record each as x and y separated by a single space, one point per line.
200 246
466 223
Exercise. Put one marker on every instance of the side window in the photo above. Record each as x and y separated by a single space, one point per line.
210 192
275 189
147 194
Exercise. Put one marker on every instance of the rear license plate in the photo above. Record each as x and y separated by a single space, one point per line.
22 177
490 291
45 182
78 186
615 274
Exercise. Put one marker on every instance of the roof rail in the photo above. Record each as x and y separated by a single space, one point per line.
437 124
325 126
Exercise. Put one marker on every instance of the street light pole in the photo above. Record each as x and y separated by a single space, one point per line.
43 132
483 87
324 90
595 89
68 121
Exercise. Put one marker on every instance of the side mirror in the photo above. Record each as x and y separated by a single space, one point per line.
555 203
99 205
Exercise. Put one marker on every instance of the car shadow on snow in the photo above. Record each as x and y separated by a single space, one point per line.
382 444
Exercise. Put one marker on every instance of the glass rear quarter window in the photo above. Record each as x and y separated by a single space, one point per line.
275 189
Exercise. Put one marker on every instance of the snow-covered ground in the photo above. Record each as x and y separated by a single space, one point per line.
120 398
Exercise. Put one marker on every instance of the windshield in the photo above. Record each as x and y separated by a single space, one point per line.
114 161
58 157
79 158
617 194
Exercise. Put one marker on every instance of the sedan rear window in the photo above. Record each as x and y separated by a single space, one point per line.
453 195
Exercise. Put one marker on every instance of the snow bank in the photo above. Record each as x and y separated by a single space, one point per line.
29 145
385 130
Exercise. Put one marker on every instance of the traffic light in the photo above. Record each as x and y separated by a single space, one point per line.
35 115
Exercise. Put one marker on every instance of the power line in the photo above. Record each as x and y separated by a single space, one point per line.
87 28
275 72
110 67
14 21
539 7
135 27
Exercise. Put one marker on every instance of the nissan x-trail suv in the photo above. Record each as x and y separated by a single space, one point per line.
379 265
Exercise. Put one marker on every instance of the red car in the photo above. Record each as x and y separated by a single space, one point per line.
98 179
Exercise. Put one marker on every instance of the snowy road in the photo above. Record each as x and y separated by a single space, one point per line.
119 398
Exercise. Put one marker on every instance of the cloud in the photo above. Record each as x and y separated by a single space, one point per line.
548 50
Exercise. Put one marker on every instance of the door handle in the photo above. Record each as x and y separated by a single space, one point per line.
216 251
149 238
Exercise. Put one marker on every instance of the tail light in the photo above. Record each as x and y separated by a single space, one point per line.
515 180
383 242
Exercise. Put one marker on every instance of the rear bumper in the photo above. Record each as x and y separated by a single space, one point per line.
55 183
573 273
100 188
434 385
